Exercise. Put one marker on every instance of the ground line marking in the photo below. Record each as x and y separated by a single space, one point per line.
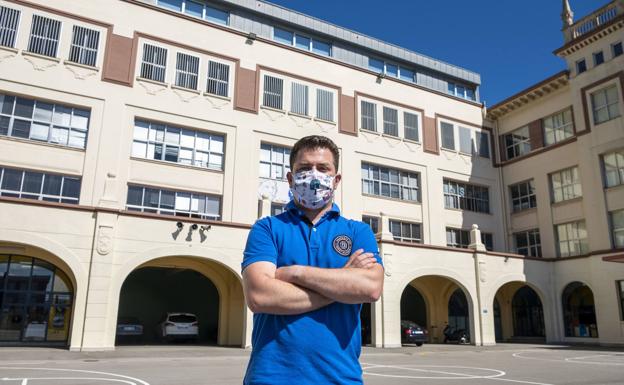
78 371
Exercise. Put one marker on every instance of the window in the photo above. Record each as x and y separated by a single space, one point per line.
617 228
616 49
171 144
302 42
523 196
277 208
373 222
390 69
168 202
461 91
325 105
613 164
466 197
274 161
465 141
197 9
528 243
44 36
273 92
558 127
299 99
581 66
598 58
187 71
571 238
84 46
605 104
518 142
154 64
461 239
389 182
218 78
376 65
390 121
42 121
565 184
39 185
9 20
621 296
410 123
407 74
369 116
448 136
405 231
483 144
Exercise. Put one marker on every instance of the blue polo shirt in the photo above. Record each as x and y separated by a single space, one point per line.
322 346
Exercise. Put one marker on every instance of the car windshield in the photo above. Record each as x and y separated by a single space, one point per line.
410 324
182 318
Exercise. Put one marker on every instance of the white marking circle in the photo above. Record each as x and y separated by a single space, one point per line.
67 375
442 372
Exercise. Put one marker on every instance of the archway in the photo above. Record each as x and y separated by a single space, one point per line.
36 302
579 312
366 323
435 301
181 299
519 313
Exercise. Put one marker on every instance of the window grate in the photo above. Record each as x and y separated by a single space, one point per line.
391 121
187 71
369 116
299 99
325 105
218 78
9 21
154 64
44 36
84 46
273 92
410 122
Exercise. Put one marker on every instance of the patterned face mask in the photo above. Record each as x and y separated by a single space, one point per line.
312 189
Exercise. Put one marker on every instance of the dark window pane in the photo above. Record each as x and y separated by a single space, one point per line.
71 188
4 125
6 101
12 180
135 195
21 129
52 185
24 107
32 182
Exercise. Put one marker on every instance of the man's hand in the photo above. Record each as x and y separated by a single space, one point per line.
360 260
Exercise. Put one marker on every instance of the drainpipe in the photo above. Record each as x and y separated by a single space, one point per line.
478 247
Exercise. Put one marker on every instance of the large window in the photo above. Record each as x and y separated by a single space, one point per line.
39 185
465 196
523 196
528 243
44 36
390 69
461 91
605 104
84 47
154 64
167 202
406 231
42 121
448 136
299 99
616 49
373 222
558 127
301 41
197 8
620 286
325 105
461 239
218 78
613 164
187 71
517 142
389 182
410 123
273 92
617 228
369 116
172 144
464 140
274 161
390 121
565 184
571 238
9 21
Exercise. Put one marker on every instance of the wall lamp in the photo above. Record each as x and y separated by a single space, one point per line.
251 37
180 225
194 226
206 227
380 77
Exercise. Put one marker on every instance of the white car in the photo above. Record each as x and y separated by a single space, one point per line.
179 326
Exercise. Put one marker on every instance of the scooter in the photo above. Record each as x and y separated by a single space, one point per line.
455 335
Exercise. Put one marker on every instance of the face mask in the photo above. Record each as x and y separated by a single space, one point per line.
312 189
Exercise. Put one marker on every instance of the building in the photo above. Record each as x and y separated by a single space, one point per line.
135 158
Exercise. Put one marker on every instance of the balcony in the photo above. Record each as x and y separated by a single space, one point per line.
593 21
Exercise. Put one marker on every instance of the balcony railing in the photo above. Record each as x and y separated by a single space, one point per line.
593 21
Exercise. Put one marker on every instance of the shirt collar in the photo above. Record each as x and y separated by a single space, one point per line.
292 207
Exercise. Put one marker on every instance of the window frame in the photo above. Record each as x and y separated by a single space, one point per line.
517 146
562 132
392 223
15 32
186 75
373 222
369 119
581 243
390 127
205 8
620 290
614 53
310 44
40 195
565 186
30 47
216 79
465 201
159 210
533 243
83 47
285 165
619 169
147 70
464 234
271 98
581 66
384 70
379 183
598 58
615 231
458 129
606 106
530 198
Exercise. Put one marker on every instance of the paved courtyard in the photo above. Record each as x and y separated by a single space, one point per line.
430 364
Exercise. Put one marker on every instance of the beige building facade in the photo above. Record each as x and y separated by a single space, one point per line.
135 158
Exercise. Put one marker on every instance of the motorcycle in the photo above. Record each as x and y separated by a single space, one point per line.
455 335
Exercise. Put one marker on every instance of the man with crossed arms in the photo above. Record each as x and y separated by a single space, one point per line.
306 273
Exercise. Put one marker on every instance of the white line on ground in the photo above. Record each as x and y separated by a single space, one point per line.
25 380
575 360
136 380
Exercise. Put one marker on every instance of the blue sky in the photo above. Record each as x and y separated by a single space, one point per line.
509 43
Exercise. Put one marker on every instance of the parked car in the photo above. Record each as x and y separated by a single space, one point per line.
179 326
460 336
129 329
412 333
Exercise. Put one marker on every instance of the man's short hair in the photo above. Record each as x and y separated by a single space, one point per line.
314 142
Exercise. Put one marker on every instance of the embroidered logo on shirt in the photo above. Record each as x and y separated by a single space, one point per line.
342 245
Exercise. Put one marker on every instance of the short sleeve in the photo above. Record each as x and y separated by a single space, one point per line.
260 245
365 239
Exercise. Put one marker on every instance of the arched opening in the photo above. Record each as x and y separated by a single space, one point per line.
36 302
180 299
436 304
518 314
366 323
579 312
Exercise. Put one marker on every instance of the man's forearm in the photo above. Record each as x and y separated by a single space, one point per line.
350 285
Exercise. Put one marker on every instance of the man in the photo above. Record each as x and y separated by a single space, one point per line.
306 273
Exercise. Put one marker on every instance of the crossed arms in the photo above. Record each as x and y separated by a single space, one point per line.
299 289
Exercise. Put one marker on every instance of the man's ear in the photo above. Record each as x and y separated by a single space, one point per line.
289 177
337 180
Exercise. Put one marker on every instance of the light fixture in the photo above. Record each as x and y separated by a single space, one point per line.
180 225
194 226
380 76
206 227
251 37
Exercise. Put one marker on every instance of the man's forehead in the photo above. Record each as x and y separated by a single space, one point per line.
314 155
